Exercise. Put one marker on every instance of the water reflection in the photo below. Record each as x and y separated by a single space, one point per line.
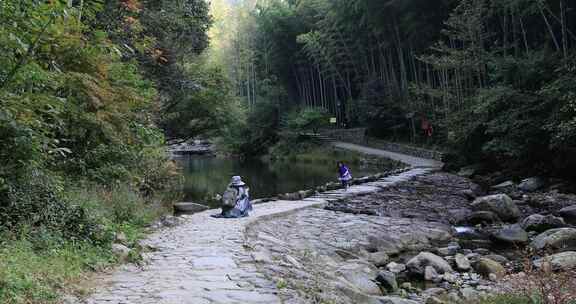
207 176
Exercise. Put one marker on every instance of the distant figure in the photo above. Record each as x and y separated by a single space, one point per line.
344 175
236 200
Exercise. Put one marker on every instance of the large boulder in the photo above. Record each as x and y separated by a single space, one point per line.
504 185
379 259
541 223
431 275
501 204
512 234
498 258
532 184
189 208
560 261
483 218
462 262
121 251
487 267
569 214
417 265
561 239
361 276
395 267
387 280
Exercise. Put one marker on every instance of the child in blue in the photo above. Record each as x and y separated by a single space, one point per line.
344 175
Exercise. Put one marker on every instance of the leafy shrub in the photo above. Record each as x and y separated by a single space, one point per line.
307 119
36 202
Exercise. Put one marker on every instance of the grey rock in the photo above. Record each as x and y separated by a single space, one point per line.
460 215
346 255
532 184
462 262
483 218
407 286
541 223
470 294
446 251
486 267
431 275
379 259
68 299
395 267
569 214
417 264
387 280
498 258
120 251
120 237
170 221
560 261
433 292
482 251
454 297
513 234
467 171
355 295
290 196
561 239
468 194
304 194
435 300
504 185
501 204
361 276
189 208
450 278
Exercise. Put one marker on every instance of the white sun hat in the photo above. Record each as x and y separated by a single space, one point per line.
237 181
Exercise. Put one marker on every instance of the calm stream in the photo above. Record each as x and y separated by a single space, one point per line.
207 176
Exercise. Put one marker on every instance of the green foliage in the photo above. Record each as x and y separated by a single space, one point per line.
206 109
257 133
81 156
307 119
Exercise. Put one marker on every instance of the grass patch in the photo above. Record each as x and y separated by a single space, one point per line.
32 275
37 264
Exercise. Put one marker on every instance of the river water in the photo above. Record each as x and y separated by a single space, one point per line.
207 176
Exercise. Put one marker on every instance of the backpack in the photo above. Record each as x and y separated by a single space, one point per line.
229 197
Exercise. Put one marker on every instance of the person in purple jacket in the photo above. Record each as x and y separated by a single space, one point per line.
344 174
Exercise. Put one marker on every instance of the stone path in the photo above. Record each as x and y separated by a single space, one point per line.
206 260
410 160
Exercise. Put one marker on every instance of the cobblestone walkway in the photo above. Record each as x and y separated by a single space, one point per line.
206 261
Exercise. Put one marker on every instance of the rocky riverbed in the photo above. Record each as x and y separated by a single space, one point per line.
439 238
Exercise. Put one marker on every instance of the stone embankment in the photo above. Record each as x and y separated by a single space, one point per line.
438 238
